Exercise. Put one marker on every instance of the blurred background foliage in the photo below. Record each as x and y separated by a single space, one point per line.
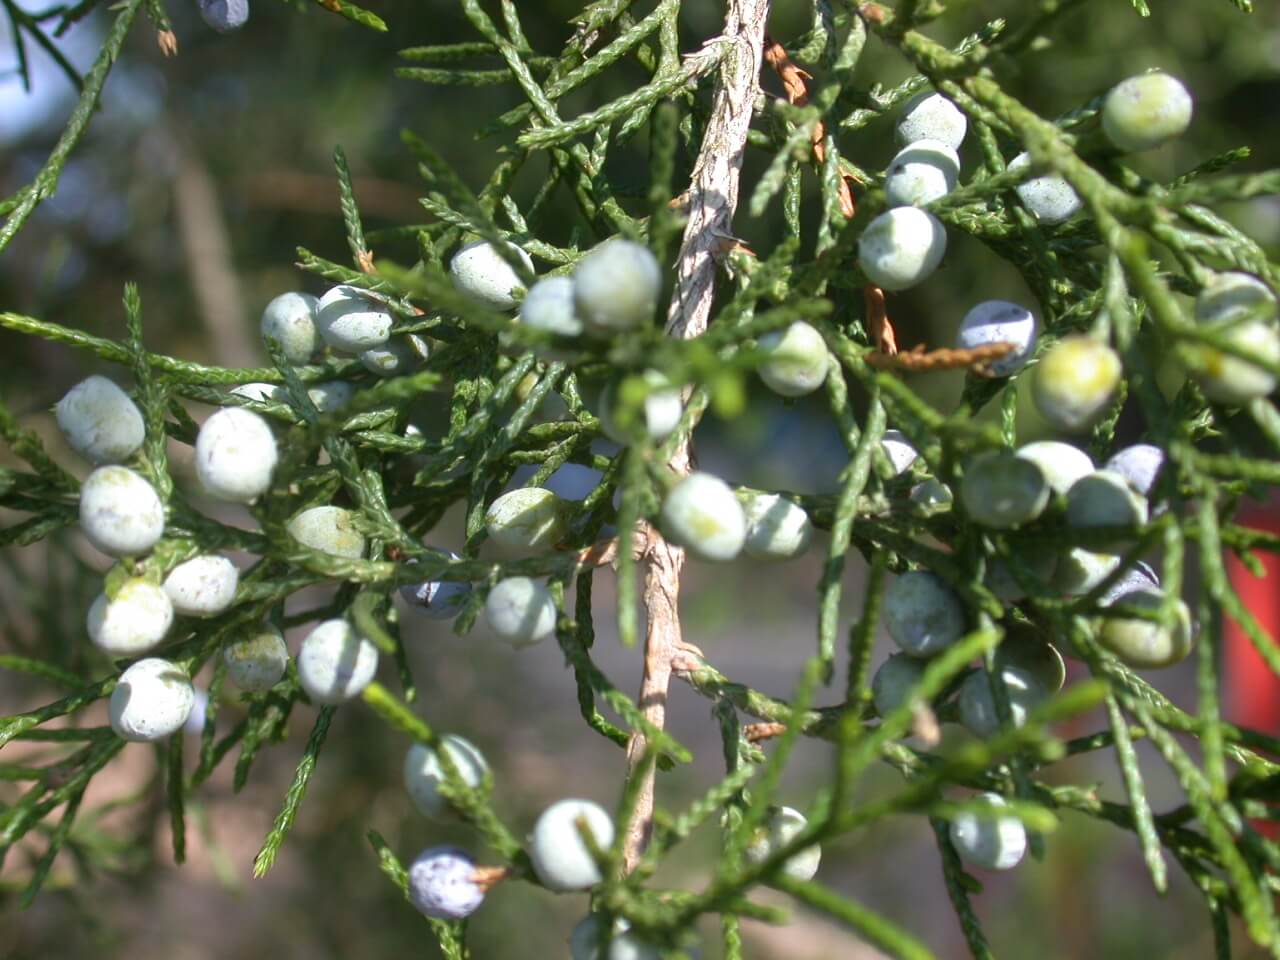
198 180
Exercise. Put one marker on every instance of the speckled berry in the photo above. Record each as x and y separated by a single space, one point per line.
224 15
1146 644
702 514
795 360
990 842
520 610
100 422
397 357
1075 381
437 599
782 826
1061 463
1145 111
977 702
921 172
527 520
1003 491
330 530
1139 464
561 858
922 614
1049 198
931 116
616 287
235 455
424 773
133 622
777 529
203 586
442 884
151 700
481 274
290 321
335 663
901 247
659 412
120 513
353 320
999 321
257 662
893 680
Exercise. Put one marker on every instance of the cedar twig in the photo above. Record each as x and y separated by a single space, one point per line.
755 732
917 359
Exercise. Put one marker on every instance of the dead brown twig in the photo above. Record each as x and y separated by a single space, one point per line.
755 732
918 359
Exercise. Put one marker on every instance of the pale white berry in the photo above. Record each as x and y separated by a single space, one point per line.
257 662
899 450
893 680
437 599
520 610
990 842
660 411
999 321
901 247
396 357
561 858
527 520
120 513
1145 111
331 395
585 942
1049 198
978 706
1233 297
235 455
262 392
1138 577
921 172
480 273
782 826
1139 464
290 321
100 421
203 586
1105 499
931 116
442 884
1147 644
132 623
330 530
1075 381
1002 491
548 306
702 515
152 699
424 773
1061 463
616 286
795 360
1080 570
1230 379
353 320
777 529
922 614
335 663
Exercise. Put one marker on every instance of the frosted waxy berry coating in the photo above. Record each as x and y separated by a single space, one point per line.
1145 111
922 614
702 514
424 773
931 116
335 663
437 599
616 287
134 622
203 586
561 858
777 529
1061 463
780 828
352 320
224 15
795 360
152 699
978 706
257 662
331 395
1105 499
585 942
1233 297
549 306
1138 577
1139 464
901 247
442 884
1080 570
290 321
660 411
120 513
396 357
100 421
262 392
1146 644
899 450
520 610
1049 199
993 843
1002 491
328 529
1232 380
527 520
480 273
235 455
1075 381
999 321
893 680
921 172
